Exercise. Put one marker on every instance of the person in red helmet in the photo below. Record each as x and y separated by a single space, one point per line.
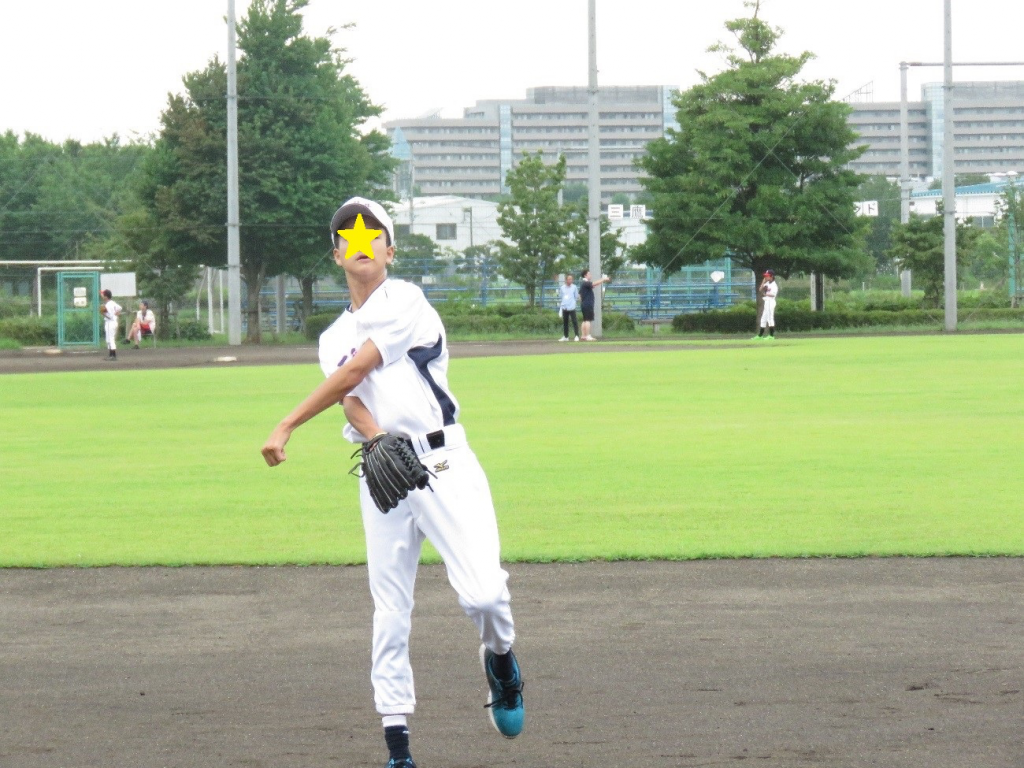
769 289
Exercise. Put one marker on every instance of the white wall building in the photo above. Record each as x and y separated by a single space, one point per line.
450 221
978 201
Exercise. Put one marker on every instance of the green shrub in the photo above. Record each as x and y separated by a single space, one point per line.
9 344
317 324
30 331
15 306
191 330
743 320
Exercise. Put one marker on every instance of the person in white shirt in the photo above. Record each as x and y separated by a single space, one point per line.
109 311
386 363
769 289
145 322
568 295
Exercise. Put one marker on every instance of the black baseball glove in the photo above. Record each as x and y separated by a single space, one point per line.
391 469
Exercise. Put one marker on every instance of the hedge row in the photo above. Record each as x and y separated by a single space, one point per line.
744 319
523 320
32 331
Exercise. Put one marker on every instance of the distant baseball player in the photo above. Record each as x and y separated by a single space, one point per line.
109 311
769 289
386 362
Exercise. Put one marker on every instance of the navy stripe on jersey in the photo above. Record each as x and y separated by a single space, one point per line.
422 356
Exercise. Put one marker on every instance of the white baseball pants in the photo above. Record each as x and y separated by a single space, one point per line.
110 330
458 519
768 313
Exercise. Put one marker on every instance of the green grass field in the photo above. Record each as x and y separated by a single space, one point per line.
810 447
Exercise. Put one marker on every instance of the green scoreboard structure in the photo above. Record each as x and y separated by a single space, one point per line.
78 309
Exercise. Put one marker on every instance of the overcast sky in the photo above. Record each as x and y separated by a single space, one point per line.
90 68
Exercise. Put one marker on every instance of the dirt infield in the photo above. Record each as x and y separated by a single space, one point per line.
847 663
783 663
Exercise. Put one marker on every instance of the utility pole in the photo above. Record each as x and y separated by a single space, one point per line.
905 275
594 177
234 260
948 174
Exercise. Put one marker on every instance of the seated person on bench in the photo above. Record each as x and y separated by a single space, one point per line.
144 324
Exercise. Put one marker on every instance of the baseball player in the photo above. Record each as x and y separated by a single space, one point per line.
109 311
386 361
769 289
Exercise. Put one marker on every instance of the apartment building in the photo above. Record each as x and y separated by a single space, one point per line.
988 131
471 156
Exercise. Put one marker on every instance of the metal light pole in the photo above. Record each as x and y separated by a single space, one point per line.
594 176
904 149
948 175
234 261
905 275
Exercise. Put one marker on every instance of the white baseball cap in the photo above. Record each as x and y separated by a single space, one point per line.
357 205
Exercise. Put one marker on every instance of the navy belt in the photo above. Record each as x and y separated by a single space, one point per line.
436 439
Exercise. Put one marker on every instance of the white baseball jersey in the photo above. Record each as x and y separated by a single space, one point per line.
110 310
408 394
771 290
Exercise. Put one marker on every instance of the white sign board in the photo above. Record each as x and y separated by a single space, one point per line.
614 211
638 211
717 276
867 208
81 292
121 284
81 301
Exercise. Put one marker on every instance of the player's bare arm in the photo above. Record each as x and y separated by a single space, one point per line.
359 416
331 392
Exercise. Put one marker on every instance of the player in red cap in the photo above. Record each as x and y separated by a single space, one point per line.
769 289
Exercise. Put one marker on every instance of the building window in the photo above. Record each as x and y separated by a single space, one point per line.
446 232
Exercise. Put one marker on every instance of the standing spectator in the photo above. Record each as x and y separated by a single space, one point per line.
769 289
587 301
110 310
145 323
568 295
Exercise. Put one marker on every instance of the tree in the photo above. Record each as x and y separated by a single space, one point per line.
919 245
756 169
878 239
416 256
55 199
300 154
613 254
533 220
1010 231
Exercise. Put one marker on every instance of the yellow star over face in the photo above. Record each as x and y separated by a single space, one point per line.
360 239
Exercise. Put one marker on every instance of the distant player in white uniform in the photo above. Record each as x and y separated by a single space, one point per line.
109 311
386 361
769 290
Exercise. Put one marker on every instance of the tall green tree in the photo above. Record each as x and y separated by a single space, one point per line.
56 199
577 258
532 219
756 169
919 245
878 238
300 147
1010 231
